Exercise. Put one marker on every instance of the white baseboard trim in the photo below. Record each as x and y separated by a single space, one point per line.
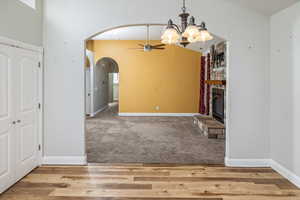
100 110
247 162
82 160
158 114
64 160
292 177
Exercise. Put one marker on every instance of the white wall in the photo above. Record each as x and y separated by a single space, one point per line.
115 92
110 87
20 22
101 90
285 88
67 24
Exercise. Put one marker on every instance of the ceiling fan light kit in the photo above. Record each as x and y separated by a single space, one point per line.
186 33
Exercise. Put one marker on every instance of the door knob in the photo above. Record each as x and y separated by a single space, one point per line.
14 122
19 121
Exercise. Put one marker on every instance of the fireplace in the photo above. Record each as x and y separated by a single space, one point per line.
218 101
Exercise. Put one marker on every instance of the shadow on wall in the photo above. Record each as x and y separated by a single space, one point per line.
284 89
102 79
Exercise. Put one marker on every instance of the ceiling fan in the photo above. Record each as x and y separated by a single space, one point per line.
148 47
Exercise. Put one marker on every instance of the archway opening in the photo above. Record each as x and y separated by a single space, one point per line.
164 92
106 79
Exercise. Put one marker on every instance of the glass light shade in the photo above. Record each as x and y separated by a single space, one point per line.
204 36
170 36
192 33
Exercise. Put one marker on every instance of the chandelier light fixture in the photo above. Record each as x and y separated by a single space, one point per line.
186 33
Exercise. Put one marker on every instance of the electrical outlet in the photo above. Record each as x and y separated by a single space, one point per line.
157 108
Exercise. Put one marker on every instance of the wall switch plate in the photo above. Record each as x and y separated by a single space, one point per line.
157 108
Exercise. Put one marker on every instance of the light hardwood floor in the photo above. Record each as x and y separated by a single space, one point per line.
152 182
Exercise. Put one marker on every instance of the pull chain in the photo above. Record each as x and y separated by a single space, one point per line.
148 34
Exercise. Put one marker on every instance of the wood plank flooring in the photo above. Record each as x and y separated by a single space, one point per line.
152 182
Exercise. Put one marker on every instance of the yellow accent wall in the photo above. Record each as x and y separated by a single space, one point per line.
90 45
166 78
87 62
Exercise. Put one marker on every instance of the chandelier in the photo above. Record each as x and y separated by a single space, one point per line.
186 33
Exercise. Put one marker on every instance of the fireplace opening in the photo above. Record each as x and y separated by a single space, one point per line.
218 104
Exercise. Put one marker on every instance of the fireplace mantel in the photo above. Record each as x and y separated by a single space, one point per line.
215 82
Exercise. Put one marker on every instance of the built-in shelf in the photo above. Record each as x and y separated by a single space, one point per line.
215 82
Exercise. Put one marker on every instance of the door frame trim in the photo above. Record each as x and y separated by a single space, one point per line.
41 109
20 45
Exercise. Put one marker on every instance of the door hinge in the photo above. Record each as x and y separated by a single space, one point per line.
39 147
39 64
39 106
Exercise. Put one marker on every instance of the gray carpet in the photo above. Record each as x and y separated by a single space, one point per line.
114 139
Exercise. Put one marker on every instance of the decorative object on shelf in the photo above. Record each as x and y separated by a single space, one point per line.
220 55
213 55
186 33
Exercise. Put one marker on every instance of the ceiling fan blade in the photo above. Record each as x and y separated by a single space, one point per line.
159 45
135 48
142 45
158 48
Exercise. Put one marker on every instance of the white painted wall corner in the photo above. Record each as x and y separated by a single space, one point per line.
292 177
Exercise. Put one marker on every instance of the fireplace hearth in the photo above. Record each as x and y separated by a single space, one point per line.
218 101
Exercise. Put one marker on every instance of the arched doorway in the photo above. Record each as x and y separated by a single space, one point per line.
148 116
106 80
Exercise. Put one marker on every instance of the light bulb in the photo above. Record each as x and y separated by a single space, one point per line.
204 36
192 33
170 36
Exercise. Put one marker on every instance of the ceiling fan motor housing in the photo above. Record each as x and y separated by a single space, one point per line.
147 48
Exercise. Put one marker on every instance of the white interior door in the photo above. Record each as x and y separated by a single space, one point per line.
6 118
20 89
27 100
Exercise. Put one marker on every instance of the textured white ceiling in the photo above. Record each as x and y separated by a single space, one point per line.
132 33
140 33
266 7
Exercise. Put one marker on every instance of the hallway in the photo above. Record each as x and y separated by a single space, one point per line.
114 139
